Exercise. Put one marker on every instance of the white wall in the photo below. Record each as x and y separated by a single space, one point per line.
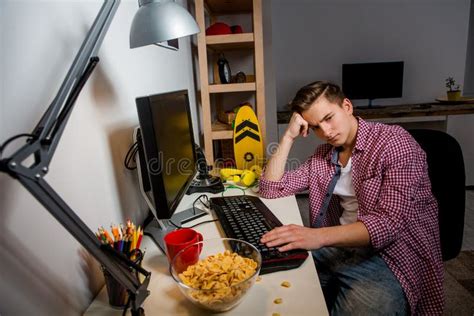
44 270
312 39
269 69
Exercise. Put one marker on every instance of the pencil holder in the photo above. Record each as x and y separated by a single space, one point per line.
118 295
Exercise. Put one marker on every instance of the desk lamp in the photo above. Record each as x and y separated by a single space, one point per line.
154 22
157 22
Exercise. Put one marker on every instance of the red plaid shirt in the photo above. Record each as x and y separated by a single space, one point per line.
391 183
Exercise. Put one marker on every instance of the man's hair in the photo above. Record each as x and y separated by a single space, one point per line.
306 96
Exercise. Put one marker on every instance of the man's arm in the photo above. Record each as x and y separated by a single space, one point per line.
296 236
276 166
404 169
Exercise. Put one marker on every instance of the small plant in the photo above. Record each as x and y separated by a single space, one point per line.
453 93
451 84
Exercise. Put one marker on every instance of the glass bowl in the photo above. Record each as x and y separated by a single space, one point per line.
216 274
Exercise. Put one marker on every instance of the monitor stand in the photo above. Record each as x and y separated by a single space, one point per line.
158 228
370 106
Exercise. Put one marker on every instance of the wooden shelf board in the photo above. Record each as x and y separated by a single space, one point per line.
229 6
230 41
232 87
222 135
221 131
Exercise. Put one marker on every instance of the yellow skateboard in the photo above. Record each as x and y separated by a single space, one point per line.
248 142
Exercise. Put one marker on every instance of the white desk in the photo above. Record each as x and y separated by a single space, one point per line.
304 297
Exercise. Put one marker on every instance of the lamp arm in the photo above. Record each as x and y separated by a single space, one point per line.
117 264
42 145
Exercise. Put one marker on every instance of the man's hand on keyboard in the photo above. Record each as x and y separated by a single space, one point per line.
288 237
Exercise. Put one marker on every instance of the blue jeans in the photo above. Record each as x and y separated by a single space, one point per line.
356 281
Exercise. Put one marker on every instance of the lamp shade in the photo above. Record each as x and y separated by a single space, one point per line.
157 22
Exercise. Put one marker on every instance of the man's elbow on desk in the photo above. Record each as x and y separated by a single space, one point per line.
270 189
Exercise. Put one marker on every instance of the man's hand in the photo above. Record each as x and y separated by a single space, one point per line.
276 166
297 126
293 237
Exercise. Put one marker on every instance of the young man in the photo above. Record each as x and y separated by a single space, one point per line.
374 221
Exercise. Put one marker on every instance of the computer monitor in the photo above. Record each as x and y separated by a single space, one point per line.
373 80
167 159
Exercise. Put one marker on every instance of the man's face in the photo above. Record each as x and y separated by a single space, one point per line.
331 122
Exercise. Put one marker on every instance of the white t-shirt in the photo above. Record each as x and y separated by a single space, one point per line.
345 190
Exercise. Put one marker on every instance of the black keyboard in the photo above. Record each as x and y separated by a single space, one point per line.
247 218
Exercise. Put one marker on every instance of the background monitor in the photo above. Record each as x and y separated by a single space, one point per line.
373 80
167 158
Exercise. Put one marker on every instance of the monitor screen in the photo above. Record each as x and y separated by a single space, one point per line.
167 142
373 80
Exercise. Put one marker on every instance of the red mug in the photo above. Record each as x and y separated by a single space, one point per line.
180 239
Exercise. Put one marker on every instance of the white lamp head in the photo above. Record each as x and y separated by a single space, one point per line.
159 21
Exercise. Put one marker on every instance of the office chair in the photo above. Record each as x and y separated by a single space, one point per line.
446 172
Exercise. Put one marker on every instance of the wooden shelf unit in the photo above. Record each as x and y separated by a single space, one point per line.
208 45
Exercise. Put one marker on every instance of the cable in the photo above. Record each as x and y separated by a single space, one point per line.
127 306
5 143
131 155
205 203
177 226
204 222
192 226
231 186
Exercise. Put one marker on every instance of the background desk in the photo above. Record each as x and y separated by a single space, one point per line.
401 111
304 297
